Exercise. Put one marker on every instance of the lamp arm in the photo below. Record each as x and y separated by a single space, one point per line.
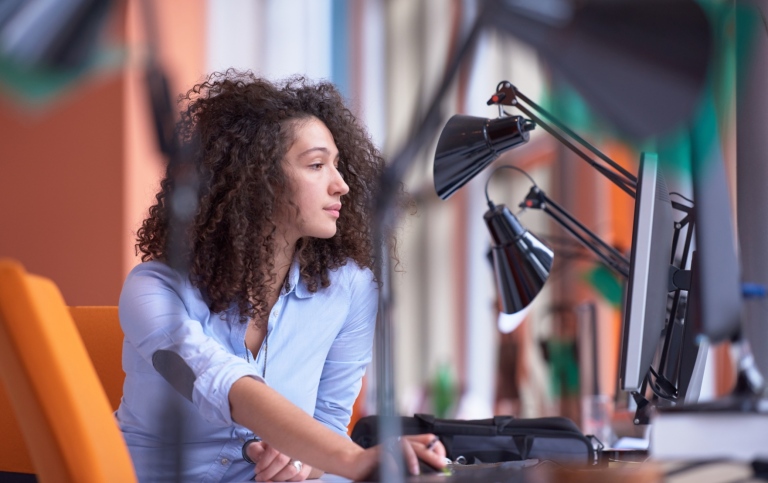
610 256
508 95
631 178
626 185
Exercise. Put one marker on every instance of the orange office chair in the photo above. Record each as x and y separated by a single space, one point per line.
99 326
51 384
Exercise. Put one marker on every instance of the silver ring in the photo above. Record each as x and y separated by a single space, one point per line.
298 465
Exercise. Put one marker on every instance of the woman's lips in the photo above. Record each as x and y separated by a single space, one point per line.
333 209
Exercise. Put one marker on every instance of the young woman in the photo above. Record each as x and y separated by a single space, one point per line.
259 352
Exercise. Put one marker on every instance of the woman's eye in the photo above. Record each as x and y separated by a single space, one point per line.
316 166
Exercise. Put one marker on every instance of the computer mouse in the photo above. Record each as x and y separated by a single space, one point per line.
427 469
424 469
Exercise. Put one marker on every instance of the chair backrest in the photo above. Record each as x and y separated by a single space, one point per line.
63 412
14 456
99 327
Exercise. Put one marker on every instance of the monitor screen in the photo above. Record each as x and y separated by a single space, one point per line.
714 299
716 278
645 309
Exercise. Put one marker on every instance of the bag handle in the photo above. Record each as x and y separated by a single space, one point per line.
442 426
501 422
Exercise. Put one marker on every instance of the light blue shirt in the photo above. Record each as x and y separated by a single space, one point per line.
317 348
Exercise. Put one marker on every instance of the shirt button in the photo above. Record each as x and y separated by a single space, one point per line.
224 461
242 440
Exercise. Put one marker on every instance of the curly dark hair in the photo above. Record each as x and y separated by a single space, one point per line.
238 128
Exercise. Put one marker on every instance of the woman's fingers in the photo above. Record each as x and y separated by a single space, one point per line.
431 457
409 456
254 450
298 476
424 447
427 448
430 442
268 456
270 464
288 472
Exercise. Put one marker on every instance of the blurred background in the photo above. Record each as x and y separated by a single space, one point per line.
80 167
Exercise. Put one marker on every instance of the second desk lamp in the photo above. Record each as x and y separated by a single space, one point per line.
522 263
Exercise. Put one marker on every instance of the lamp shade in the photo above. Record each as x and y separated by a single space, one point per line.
642 64
48 46
468 144
521 262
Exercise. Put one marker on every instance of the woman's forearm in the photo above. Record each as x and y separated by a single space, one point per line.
293 432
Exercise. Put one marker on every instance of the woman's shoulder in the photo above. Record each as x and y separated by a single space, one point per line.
154 269
155 274
157 282
353 275
360 289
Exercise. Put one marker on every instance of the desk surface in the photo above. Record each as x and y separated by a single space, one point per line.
647 472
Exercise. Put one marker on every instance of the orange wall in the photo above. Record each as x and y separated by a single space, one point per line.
61 190
76 177
182 53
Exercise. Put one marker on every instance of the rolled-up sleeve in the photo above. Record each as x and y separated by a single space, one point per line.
157 315
349 355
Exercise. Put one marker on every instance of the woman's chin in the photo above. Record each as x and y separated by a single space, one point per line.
322 234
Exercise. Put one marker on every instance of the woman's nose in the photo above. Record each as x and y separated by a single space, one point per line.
338 185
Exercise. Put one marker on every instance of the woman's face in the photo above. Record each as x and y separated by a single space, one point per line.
315 184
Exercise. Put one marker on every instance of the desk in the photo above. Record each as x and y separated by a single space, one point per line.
721 472
648 472
651 471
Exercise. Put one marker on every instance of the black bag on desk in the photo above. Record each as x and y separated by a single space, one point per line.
503 438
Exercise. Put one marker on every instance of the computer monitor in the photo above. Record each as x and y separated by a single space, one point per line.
713 299
717 276
645 308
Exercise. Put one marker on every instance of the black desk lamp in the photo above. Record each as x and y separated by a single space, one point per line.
521 262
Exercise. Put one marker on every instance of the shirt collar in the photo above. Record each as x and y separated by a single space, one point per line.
295 282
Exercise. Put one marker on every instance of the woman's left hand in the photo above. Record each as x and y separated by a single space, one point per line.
424 447
272 465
